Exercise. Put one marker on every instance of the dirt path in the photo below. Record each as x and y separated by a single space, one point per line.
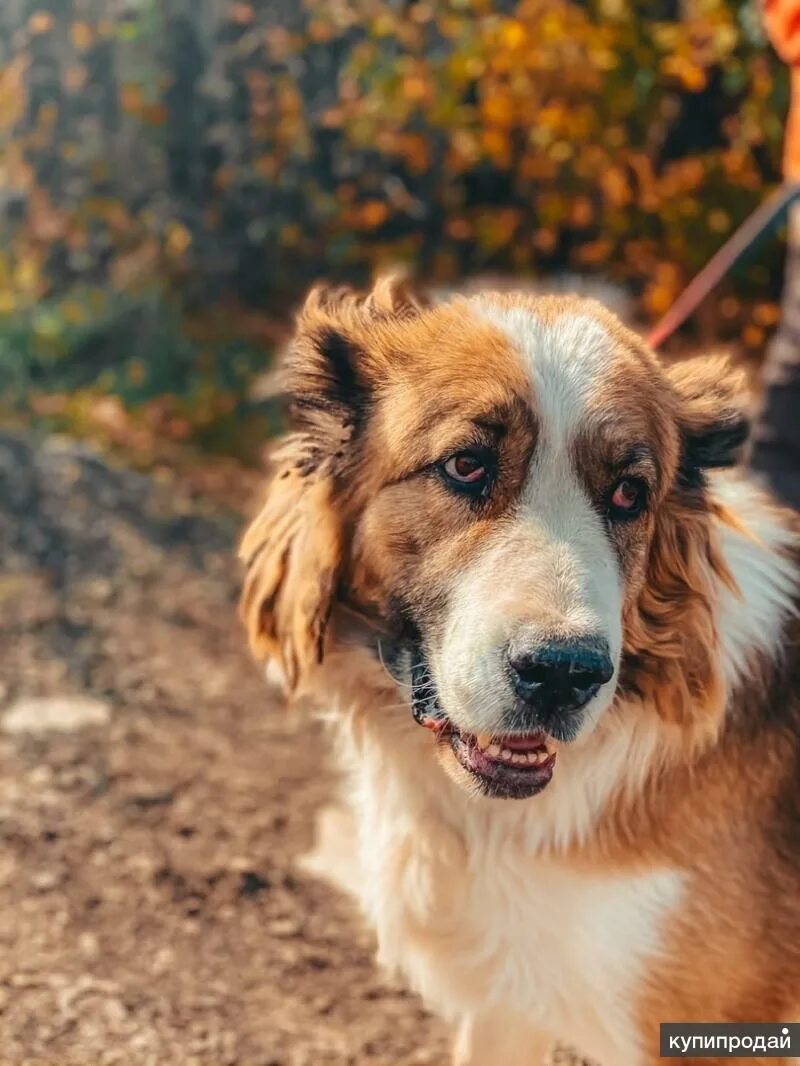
150 907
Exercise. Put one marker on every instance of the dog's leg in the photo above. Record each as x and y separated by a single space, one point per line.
489 1040
334 856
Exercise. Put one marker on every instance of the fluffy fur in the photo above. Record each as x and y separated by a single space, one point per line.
657 876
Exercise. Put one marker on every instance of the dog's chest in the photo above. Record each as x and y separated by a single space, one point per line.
477 923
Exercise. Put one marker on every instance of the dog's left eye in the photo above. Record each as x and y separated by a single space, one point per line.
467 471
628 498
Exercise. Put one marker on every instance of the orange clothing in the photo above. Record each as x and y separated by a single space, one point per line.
782 19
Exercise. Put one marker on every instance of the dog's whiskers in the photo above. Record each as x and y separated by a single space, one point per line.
398 680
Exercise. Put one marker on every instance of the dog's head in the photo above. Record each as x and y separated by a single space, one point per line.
512 488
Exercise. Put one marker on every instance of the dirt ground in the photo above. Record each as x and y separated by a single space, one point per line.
151 908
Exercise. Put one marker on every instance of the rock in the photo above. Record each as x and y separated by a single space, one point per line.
46 880
56 714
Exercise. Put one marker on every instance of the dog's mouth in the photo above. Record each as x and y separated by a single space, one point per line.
510 765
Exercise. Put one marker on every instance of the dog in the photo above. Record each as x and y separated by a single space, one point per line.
558 641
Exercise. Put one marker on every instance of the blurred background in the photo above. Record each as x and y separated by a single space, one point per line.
173 176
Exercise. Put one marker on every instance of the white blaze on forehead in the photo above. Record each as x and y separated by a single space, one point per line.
567 360
548 568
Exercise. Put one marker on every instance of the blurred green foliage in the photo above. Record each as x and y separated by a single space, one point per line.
200 154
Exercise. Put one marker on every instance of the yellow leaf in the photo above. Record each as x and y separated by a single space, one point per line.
73 312
82 35
131 98
513 34
616 189
76 77
767 314
27 274
415 88
178 238
498 109
545 240
267 166
496 145
241 14
581 212
753 336
12 91
373 213
224 177
693 77
459 229
40 22
155 114
595 252
319 31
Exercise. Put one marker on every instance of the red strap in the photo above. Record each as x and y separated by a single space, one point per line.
722 261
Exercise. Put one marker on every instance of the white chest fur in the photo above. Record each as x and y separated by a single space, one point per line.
459 890
478 923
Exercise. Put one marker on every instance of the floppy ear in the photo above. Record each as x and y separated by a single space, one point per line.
330 370
672 637
712 414
325 377
671 631
292 551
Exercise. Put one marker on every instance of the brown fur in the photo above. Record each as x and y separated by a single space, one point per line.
403 355
382 387
331 469
671 633
293 553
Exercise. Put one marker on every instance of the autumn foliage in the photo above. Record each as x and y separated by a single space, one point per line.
182 157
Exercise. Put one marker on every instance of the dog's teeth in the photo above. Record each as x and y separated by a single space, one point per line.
514 758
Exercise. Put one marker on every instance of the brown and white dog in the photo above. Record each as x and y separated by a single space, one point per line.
560 649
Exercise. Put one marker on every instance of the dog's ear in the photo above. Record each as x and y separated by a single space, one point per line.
332 369
671 629
712 413
292 551
326 374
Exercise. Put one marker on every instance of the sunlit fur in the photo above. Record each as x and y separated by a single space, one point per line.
657 877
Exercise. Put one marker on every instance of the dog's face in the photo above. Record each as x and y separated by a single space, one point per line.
512 488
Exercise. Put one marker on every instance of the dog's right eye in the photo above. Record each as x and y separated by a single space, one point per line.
468 472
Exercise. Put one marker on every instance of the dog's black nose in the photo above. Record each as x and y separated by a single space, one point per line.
561 675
